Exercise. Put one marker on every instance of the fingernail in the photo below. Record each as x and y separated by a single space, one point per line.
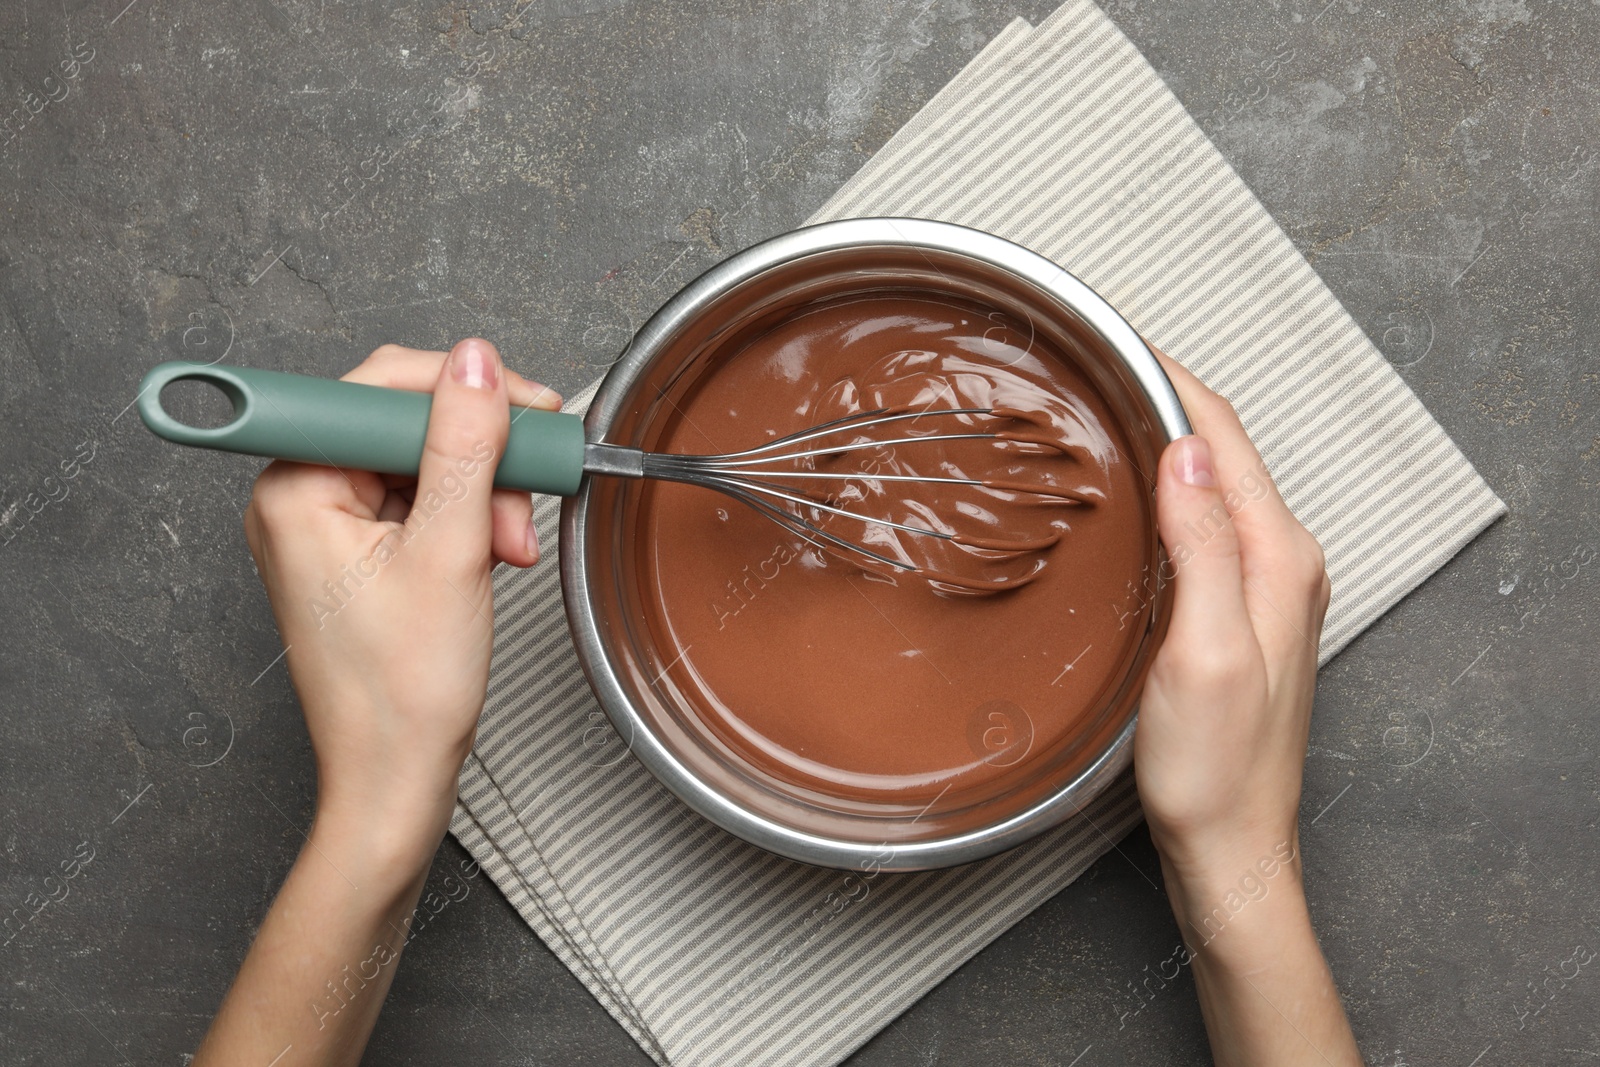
1194 462
473 364
533 541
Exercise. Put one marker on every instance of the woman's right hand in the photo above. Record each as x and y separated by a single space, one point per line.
1221 744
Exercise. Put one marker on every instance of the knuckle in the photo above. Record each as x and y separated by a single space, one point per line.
287 495
1313 549
380 367
1214 674
455 442
250 521
1207 528
1220 405
1315 562
1222 556
1216 666
269 501
385 354
1213 415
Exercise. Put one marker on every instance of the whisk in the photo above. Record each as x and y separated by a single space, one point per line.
740 474
363 427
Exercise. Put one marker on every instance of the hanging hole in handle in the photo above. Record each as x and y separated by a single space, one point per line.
202 402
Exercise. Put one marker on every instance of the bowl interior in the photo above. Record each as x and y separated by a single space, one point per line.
651 714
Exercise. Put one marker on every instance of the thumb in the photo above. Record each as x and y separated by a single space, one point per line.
1202 545
466 436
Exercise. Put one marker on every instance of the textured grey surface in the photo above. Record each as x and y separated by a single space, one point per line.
290 183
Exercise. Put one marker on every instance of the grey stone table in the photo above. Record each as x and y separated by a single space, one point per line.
293 182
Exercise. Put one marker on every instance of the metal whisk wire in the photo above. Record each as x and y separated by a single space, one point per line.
738 474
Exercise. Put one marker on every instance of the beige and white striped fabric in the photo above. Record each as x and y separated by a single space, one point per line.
1062 138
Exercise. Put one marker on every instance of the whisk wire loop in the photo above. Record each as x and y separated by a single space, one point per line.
745 475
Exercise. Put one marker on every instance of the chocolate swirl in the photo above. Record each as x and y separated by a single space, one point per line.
1049 459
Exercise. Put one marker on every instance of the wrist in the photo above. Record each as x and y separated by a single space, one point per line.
1242 890
1213 859
390 804
391 844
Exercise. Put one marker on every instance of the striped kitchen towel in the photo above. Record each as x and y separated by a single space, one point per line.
1062 138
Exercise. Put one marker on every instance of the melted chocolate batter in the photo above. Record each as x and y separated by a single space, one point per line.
838 675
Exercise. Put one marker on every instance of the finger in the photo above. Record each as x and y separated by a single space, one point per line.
466 435
290 492
1241 472
416 369
1267 528
515 540
527 393
1202 547
396 506
1282 567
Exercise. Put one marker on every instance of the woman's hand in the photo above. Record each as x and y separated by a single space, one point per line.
381 588
1221 743
1227 707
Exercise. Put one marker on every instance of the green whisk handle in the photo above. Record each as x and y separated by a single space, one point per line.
364 427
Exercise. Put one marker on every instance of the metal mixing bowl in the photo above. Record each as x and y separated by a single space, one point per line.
745 295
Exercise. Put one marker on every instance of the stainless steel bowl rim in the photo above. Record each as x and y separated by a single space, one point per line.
651 339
